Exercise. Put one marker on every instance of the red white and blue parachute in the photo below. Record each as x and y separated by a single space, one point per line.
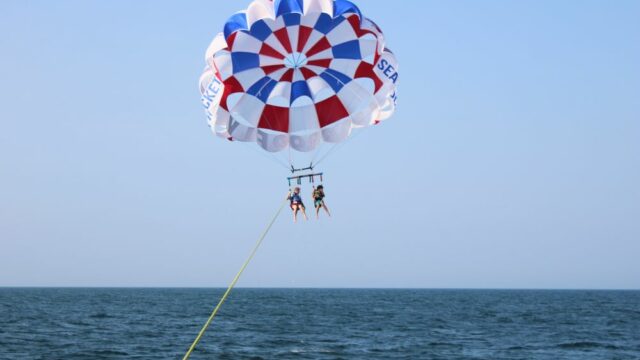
293 74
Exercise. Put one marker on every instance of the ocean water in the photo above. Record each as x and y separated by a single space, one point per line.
319 324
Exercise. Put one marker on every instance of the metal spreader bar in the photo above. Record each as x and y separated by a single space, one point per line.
294 170
312 178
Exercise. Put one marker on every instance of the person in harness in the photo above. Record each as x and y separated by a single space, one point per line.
318 201
297 204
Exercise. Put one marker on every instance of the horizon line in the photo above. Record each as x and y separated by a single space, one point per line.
314 288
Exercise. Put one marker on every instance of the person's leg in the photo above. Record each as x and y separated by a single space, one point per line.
325 208
295 213
318 211
304 212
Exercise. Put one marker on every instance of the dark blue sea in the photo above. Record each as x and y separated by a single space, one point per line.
319 324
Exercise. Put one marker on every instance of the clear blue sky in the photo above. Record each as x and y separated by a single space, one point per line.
512 161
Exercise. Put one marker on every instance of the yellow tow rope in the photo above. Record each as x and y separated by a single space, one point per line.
233 283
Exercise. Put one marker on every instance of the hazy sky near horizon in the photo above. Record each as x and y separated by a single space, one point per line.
513 160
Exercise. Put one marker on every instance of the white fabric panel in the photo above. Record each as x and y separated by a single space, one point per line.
310 19
232 99
337 132
305 143
246 43
384 92
205 79
249 77
276 75
258 10
222 62
315 69
359 102
346 66
275 23
303 101
297 75
303 119
293 32
219 123
387 109
248 110
368 48
320 90
281 95
341 34
326 54
318 6
272 141
313 39
366 84
273 41
387 68
268 60
387 95
212 92
367 24
241 132
219 43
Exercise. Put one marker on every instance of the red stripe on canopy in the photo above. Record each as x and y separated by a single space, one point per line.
303 36
330 111
283 37
267 50
274 118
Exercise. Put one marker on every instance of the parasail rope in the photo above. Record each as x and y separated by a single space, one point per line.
233 283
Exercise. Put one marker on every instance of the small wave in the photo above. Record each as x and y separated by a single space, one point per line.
98 354
443 344
521 348
504 320
100 315
586 345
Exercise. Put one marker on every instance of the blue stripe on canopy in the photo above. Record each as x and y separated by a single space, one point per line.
291 19
299 89
326 23
288 6
335 79
347 50
235 23
262 88
260 30
341 7
244 61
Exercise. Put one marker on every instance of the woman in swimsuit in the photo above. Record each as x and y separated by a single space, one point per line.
296 204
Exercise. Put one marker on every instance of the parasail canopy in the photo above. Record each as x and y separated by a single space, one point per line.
293 74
